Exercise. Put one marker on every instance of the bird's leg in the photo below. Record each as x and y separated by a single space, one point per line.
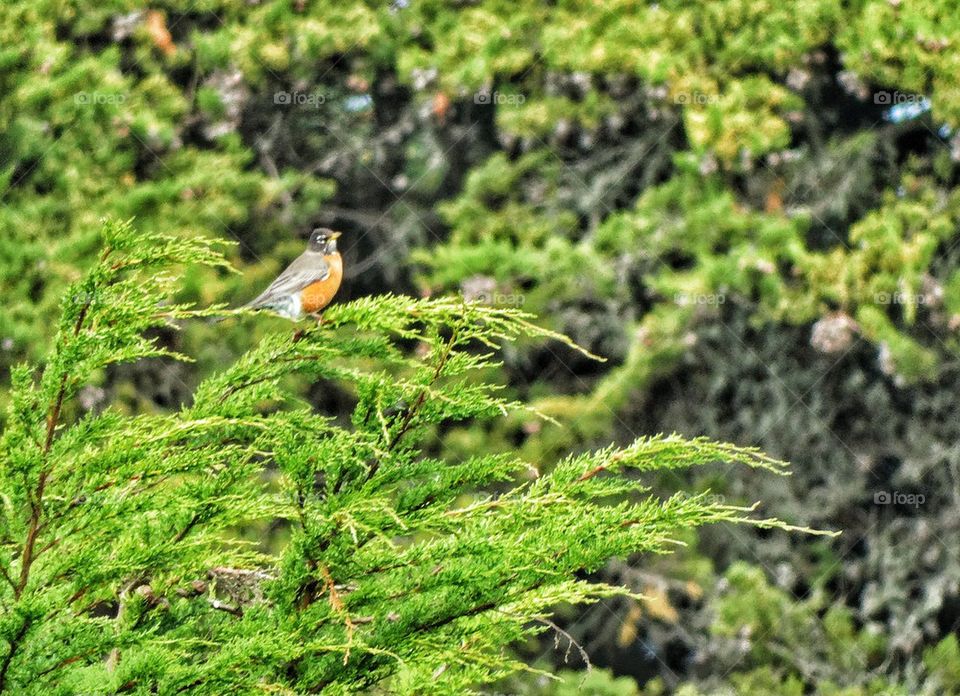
300 333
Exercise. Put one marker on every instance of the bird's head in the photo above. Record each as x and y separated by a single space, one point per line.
323 240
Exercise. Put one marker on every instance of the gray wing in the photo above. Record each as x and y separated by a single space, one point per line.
305 270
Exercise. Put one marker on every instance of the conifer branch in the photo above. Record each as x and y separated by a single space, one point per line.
11 651
421 397
427 566
53 418
6 576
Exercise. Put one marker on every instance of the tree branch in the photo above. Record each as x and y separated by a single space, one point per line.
421 398
14 644
36 505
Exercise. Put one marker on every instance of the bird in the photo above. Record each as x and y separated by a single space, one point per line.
309 283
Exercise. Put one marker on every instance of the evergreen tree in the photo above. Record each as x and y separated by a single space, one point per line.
129 562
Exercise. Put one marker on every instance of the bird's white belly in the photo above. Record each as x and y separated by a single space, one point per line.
290 306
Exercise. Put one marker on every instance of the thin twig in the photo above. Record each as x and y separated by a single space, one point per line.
222 606
6 576
186 530
421 398
336 603
571 641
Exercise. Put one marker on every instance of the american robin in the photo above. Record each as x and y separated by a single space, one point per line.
309 283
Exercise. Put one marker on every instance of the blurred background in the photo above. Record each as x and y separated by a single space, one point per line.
749 208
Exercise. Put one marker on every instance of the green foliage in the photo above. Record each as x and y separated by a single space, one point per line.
595 682
943 662
85 135
879 282
643 177
127 568
906 47
755 609
82 136
793 646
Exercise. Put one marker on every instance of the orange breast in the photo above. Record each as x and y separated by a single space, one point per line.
316 296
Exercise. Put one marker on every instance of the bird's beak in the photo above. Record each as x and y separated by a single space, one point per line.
334 235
